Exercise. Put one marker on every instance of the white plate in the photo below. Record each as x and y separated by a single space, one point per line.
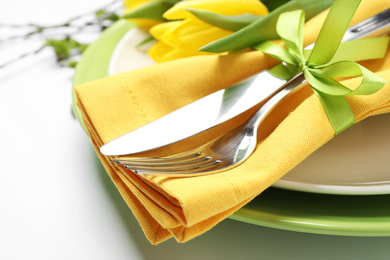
355 162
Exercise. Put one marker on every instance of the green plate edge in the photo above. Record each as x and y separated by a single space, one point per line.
345 215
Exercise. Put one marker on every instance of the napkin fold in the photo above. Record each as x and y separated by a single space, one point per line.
185 207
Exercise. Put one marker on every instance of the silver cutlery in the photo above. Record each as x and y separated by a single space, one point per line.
238 144
220 106
224 151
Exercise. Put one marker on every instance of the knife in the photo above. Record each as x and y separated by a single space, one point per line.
222 105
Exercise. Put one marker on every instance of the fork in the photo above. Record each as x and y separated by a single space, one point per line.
235 146
222 152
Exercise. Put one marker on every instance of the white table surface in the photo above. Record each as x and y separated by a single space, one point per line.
57 202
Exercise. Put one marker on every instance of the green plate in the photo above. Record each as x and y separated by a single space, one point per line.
348 215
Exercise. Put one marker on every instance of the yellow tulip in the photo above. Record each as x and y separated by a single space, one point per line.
225 7
186 34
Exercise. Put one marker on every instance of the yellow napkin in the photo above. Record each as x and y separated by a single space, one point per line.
187 207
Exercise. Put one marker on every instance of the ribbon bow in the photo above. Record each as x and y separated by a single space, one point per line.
329 59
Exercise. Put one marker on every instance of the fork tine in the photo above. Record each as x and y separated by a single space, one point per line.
190 163
165 163
174 169
158 160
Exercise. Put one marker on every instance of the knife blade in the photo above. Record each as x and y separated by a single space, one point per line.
222 105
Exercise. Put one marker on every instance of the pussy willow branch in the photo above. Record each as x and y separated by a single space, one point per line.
22 56
68 24
100 21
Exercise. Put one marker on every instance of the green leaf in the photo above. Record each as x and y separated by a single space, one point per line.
264 29
64 48
61 47
227 22
145 41
112 17
71 64
151 10
99 13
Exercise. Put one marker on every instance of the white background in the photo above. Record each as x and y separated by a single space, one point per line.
57 202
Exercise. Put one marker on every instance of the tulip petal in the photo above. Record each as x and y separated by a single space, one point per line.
190 35
160 29
225 7
161 52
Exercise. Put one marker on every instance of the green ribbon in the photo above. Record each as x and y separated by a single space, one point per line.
329 59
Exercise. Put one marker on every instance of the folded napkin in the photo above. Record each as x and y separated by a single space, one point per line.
187 207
